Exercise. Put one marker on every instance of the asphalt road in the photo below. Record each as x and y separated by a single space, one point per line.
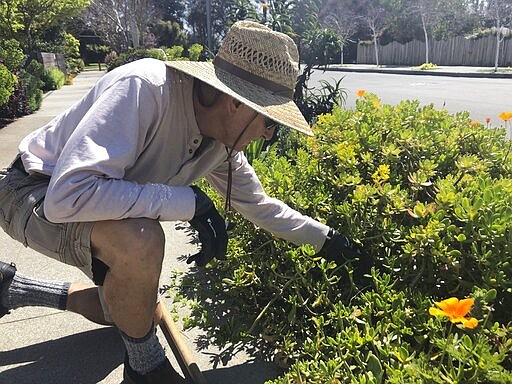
482 97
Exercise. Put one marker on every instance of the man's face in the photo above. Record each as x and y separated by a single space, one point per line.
247 126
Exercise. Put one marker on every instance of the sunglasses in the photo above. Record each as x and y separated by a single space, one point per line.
270 124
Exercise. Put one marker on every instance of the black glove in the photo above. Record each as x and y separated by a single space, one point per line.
339 248
211 229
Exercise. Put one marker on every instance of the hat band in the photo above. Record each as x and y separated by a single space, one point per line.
275 88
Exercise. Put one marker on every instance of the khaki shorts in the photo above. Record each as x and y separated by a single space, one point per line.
22 218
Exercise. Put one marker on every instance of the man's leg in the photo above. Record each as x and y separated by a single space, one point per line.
133 249
79 298
84 299
18 290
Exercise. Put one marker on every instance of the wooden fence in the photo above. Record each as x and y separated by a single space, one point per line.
49 60
455 51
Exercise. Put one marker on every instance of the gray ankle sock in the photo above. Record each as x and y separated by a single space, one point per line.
144 354
24 291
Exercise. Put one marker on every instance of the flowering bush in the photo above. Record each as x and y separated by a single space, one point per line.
427 66
428 195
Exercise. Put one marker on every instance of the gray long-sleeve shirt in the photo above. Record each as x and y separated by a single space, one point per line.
128 149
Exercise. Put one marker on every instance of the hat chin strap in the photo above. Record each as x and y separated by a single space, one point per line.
227 204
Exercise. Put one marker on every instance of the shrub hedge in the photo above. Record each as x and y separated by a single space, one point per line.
113 60
429 195
7 83
53 79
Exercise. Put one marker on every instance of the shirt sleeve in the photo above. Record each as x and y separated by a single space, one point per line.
249 198
87 183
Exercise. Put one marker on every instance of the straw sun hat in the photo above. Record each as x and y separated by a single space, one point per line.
258 67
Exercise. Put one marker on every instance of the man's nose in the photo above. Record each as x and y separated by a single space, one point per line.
268 133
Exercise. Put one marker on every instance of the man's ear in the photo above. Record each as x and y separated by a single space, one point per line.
233 105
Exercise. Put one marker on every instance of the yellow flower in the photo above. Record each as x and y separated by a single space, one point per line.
505 115
381 174
456 310
474 123
361 92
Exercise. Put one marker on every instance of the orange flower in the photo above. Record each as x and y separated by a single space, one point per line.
505 115
487 120
456 310
361 92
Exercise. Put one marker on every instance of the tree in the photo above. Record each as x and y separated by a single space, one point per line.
297 18
171 10
500 14
28 20
281 15
455 18
120 23
427 10
377 21
169 33
223 14
443 19
10 19
343 20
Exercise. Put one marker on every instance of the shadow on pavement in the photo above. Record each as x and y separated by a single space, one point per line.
89 357
257 372
84 358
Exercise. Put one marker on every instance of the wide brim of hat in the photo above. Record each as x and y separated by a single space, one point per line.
278 108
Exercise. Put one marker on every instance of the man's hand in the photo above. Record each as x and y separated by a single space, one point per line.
339 248
211 229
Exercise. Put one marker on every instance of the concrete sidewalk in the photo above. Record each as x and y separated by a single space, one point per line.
41 345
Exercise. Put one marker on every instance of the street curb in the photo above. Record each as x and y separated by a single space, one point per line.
423 73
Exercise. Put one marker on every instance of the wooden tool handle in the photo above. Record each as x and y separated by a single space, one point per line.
179 347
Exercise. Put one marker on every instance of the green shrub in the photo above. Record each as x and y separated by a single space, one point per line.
75 65
71 50
110 59
113 60
134 54
53 78
7 84
157 53
11 54
27 95
36 69
254 150
17 105
33 88
174 53
428 195
194 52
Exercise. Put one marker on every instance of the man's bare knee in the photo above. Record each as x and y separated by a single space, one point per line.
128 245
